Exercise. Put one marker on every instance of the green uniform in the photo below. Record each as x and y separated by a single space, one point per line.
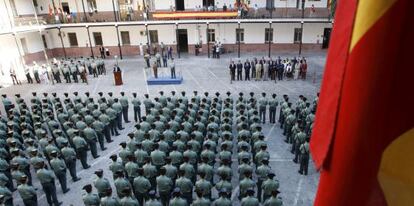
273 201
28 194
178 201
222 202
129 201
186 187
250 201
110 201
164 187
205 187
47 180
121 184
90 199
246 184
141 186
59 167
81 147
102 185
268 187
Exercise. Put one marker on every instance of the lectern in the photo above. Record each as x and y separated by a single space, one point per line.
118 78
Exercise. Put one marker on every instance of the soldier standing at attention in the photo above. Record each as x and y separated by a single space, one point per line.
90 199
137 107
101 183
274 200
47 180
304 157
27 192
223 200
141 186
164 186
115 166
177 200
250 200
128 200
108 200
273 103
269 186
152 199
262 107
121 183
6 193
81 147
118 109
124 103
69 155
91 138
59 167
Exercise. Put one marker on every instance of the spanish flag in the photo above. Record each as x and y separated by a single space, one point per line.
363 138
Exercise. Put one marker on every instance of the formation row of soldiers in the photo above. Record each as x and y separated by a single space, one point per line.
72 70
49 136
184 147
297 123
265 69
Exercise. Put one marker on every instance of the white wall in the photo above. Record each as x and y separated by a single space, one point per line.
225 33
24 7
10 57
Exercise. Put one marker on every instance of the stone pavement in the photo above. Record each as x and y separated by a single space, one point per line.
201 74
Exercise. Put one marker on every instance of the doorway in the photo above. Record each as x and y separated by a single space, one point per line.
326 37
183 40
179 5
65 7
207 3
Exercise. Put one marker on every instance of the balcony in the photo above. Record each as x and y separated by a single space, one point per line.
127 14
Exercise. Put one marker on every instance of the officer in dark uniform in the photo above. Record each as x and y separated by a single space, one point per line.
304 157
247 67
239 71
232 68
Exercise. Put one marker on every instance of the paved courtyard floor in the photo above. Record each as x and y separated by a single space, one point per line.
201 74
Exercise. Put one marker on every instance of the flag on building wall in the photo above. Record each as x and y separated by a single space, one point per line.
363 138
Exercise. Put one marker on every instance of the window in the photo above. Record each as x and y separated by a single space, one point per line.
211 35
44 41
239 35
268 35
91 5
153 36
125 38
73 41
24 46
297 38
97 36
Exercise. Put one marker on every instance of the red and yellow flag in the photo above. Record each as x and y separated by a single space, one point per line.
363 138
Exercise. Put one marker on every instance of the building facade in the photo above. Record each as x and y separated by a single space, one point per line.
45 29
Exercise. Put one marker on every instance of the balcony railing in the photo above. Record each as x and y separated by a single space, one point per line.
28 21
135 15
